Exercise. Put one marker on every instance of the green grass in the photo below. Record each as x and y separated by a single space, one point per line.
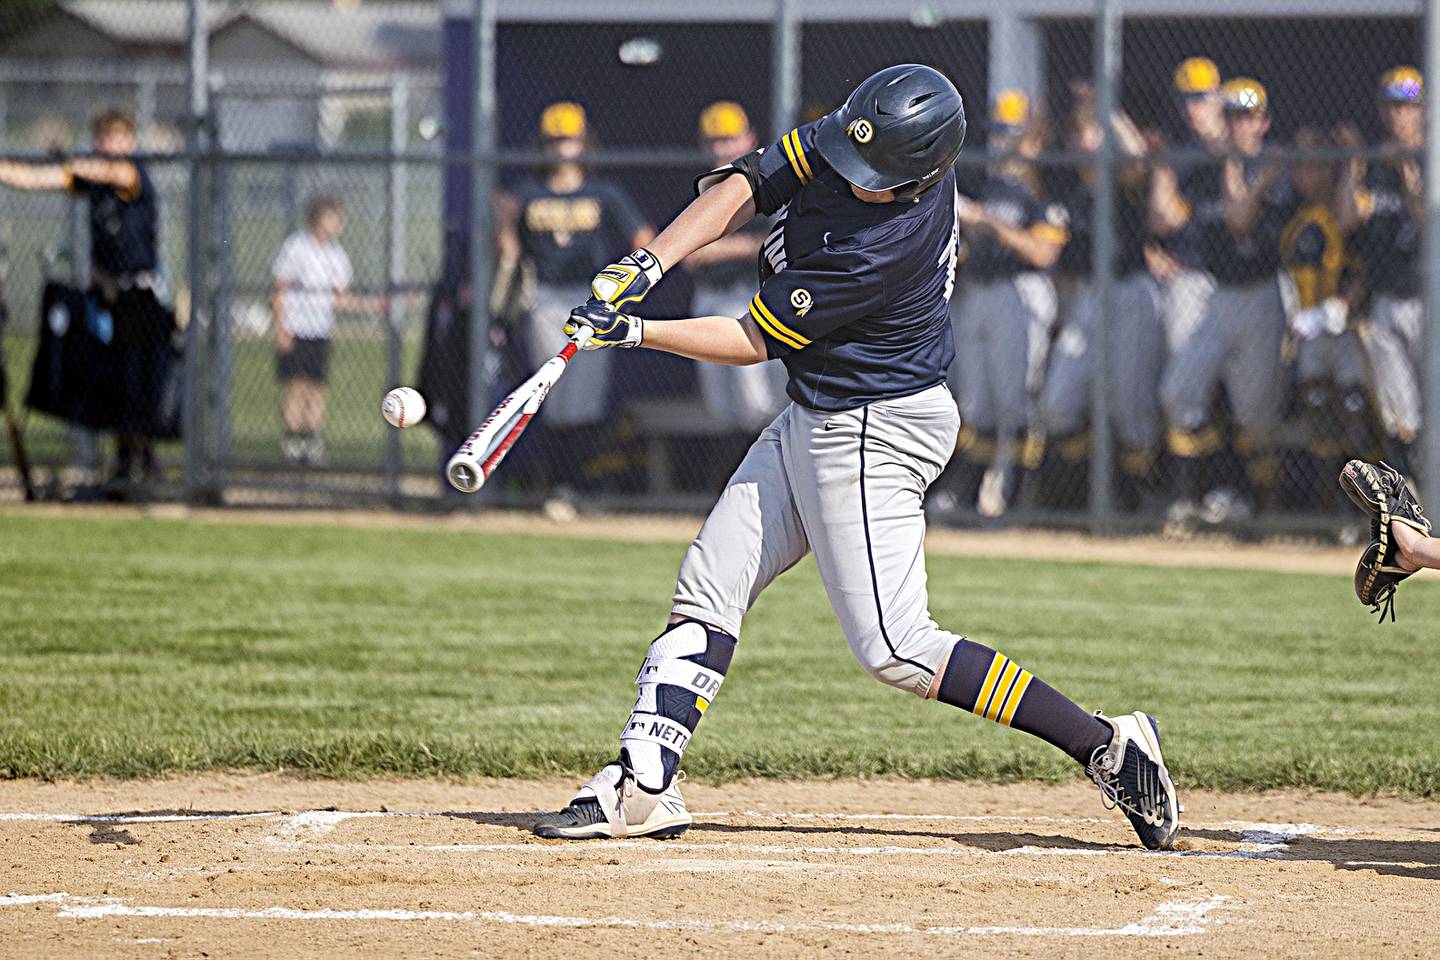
136 647
356 435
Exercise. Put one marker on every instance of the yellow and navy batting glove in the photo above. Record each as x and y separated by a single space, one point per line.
628 279
612 328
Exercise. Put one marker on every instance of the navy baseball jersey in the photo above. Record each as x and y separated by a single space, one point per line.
1390 237
124 226
566 234
1011 201
1130 228
1197 172
1244 260
853 295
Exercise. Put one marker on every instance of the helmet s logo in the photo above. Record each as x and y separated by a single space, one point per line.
861 130
801 301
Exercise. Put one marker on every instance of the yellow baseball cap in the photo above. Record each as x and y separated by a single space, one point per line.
723 119
1244 95
1197 76
563 119
1402 85
1011 109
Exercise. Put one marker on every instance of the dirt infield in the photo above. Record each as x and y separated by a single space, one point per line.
1291 555
269 866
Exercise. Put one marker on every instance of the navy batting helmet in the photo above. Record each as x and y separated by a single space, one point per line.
900 130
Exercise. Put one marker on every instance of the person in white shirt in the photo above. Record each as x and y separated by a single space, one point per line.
312 275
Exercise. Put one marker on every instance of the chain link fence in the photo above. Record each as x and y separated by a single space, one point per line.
1260 321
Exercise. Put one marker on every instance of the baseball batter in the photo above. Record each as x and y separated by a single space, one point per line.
853 302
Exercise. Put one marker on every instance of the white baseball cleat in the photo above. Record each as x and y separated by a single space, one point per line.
1131 775
611 804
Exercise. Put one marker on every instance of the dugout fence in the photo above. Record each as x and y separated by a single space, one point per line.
1177 369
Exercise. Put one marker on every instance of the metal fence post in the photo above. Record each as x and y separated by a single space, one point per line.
1107 79
482 187
195 146
1430 270
395 206
785 68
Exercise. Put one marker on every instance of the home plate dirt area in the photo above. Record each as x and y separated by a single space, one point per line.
252 865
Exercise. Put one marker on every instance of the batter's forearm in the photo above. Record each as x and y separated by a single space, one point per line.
718 212
712 339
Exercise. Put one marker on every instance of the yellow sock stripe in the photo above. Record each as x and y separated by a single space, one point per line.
987 689
775 325
800 155
701 704
1012 702
1002 690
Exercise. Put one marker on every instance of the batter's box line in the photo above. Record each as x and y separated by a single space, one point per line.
1177 918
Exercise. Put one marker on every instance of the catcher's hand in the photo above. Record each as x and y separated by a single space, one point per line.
1380 491
628 279
612 328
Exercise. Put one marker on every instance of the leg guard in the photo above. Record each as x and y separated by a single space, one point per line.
682 672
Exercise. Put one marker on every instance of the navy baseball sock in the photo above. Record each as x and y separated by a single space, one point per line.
991 685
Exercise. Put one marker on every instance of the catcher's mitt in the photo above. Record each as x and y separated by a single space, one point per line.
1382 493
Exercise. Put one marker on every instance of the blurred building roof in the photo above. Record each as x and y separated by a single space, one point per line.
374 35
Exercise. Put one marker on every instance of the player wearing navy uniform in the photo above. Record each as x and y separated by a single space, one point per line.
560 223
1006 305
1136 333
1241 207
1188 182
853 303
125 280
1383 202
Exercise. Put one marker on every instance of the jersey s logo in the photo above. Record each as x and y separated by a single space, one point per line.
801 301
861 130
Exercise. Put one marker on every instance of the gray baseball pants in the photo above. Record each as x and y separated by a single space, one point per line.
1137 358
850 487
1238 343
1393 342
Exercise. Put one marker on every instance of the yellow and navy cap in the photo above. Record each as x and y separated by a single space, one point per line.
723 119
563 120
1244 95
1402 85
1010 110
1197 77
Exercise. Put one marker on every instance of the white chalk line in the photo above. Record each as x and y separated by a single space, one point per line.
1169 919
137 817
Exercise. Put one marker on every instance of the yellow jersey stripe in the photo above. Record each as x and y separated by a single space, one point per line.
1012 702
800 152
1007 678
803 340
790 155
987 689
1049 233
759 317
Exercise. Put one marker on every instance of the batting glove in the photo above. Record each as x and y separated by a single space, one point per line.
612 328
628 279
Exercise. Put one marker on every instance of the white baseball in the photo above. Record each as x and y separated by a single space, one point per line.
403 407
